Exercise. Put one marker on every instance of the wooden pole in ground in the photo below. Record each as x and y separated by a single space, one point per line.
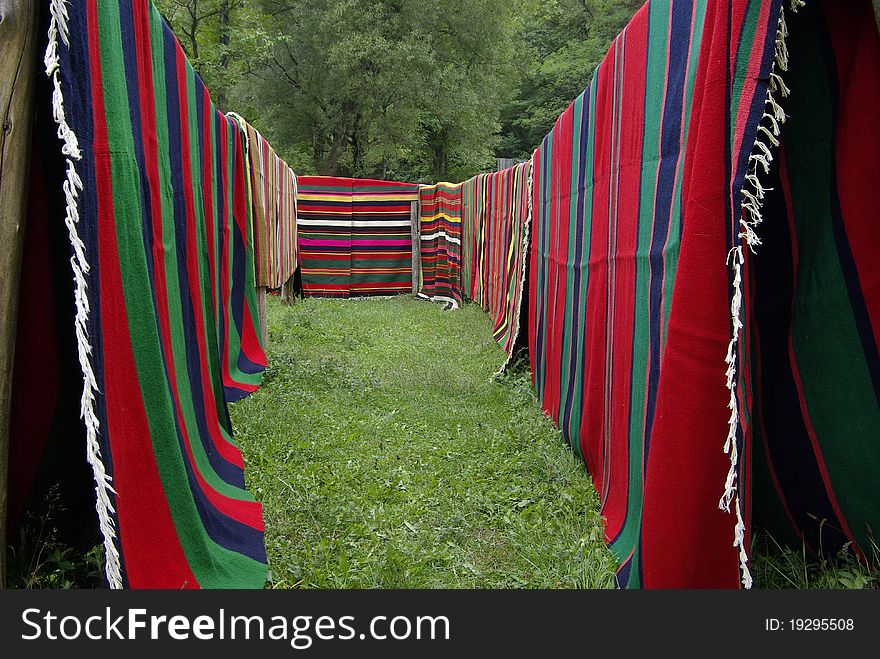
414 221
18 40
287 296
263 313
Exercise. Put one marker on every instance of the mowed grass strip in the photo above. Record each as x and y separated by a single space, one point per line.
385 457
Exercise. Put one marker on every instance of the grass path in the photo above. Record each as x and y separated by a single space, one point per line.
385 457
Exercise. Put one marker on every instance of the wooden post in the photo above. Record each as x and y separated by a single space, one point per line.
263 313
287 296
877 12
18 40
415 230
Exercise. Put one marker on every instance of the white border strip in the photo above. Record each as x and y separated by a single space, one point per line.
452 302
72 185
441 234
353 223
753 194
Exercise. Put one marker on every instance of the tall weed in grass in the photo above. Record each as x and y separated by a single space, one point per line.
777 566
40 558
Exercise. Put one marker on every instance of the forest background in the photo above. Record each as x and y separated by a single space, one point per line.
407 90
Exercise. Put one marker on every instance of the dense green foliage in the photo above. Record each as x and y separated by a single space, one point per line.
385 457
564 40
418 90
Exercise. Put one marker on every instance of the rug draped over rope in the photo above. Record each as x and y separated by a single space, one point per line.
703 291
440 237
495 215
355 236
273 185
648 199
814 294
158 214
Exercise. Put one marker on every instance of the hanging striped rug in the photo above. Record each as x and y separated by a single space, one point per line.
440 237
157 210
273 190
703 295
495 230
355 236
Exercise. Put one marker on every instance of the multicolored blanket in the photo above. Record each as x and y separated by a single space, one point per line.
355 236
157 210
814 294
273 185
659 342
703 292
495 226
440 236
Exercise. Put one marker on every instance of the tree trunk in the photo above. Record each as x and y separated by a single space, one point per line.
438 142
194 41
441 163
18 26
225 19
357 151
341 140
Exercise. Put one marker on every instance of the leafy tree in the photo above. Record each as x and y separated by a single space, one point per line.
419 90
338 83
197 26
474 64
402 88
566 40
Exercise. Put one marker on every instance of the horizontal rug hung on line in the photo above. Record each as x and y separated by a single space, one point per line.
355 236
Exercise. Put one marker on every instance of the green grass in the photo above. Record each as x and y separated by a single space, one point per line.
385 457
776 566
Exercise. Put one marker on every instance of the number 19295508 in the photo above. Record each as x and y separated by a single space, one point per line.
810 624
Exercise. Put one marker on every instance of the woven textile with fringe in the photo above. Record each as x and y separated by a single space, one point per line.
440 238
646 282
157 213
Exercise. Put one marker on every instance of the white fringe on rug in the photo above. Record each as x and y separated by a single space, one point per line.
753 193
79 264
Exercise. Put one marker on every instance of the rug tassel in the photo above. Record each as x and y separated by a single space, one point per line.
73 185
241 124
753 194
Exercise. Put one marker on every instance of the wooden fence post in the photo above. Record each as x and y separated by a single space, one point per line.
18 40
877 12
263 313
415 230
287 296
